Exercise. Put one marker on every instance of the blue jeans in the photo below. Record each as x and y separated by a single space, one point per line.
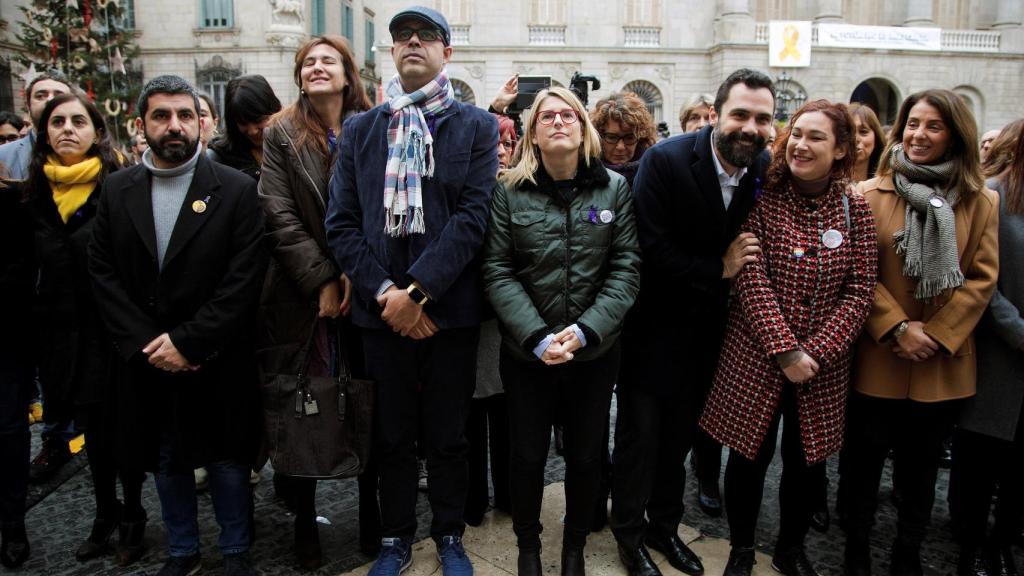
229 489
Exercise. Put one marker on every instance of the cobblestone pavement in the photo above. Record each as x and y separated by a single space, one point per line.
59 522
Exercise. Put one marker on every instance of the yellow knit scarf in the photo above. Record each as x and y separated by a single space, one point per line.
71 185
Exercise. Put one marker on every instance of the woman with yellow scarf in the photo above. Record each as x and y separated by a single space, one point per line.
72 156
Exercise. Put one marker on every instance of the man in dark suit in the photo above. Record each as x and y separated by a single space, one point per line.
177 264
17 155
410 199
691 195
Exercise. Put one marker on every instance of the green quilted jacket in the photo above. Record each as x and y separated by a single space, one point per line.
553 259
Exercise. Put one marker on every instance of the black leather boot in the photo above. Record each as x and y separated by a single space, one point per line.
572 561
14 549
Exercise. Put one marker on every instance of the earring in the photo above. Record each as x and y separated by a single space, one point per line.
302 91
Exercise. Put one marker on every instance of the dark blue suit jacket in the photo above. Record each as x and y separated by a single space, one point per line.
674 332
456 206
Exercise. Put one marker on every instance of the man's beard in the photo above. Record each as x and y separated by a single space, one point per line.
173 154
737 148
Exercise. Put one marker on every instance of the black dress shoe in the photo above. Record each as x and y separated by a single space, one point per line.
741 562
905 560
971 563
793 562
528 563
679 555
709 498
130 542
54 454
14 549
638 561
307 543
96 544
572 562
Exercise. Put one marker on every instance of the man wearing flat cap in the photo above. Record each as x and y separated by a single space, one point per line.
409 205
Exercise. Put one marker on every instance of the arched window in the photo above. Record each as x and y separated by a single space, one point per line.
213 79
463 93
881 96
975 103
649 93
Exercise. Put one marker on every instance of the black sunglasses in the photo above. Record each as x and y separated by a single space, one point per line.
424 34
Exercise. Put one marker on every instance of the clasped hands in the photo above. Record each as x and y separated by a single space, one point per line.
561 348
405 316
164 355
798 366
914 344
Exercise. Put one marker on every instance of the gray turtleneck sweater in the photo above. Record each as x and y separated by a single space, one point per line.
169 188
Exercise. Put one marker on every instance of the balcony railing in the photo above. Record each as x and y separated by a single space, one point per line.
642 36
460 34
547 35
952 40
970 40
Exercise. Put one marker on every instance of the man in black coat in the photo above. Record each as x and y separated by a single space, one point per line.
691 195
177 265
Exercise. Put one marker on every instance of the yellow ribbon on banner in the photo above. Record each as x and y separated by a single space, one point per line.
790 36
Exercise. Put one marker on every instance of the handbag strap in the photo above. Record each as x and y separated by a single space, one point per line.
306 350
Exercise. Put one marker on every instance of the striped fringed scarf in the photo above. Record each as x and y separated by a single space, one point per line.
410 152
927 241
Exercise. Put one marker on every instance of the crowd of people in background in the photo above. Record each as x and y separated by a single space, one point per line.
500 277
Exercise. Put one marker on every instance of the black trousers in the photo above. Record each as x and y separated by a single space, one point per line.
915 431
106 468
744 481
653 435
580 393
439 374
15 390
487 432
980 463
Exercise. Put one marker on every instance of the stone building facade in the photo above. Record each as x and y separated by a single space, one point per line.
211 41
669 50
665 50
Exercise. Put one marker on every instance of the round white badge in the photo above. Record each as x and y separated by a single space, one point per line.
936 201
832 239
606 216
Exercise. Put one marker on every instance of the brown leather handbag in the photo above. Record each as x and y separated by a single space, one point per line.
318 426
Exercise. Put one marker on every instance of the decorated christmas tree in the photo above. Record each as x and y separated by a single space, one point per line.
91 42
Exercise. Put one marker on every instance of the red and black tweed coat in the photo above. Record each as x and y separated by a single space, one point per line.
799 294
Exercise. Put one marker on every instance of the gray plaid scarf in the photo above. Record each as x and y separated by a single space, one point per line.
928 238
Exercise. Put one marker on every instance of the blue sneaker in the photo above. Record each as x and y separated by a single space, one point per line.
452 555
395 556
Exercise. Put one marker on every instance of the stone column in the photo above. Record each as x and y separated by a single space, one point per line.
1010 24
1010 14
735 23
829 11
919 13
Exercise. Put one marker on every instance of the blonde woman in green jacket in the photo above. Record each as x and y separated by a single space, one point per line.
561 269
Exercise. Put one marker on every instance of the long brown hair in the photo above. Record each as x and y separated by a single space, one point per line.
963 146
110 159
842 128
868 118
1005 162
301 114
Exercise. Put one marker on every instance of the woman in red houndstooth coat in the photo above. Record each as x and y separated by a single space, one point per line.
795 315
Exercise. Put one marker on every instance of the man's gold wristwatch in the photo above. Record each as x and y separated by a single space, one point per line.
418 296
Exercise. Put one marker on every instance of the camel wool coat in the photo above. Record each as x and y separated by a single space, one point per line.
949 319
